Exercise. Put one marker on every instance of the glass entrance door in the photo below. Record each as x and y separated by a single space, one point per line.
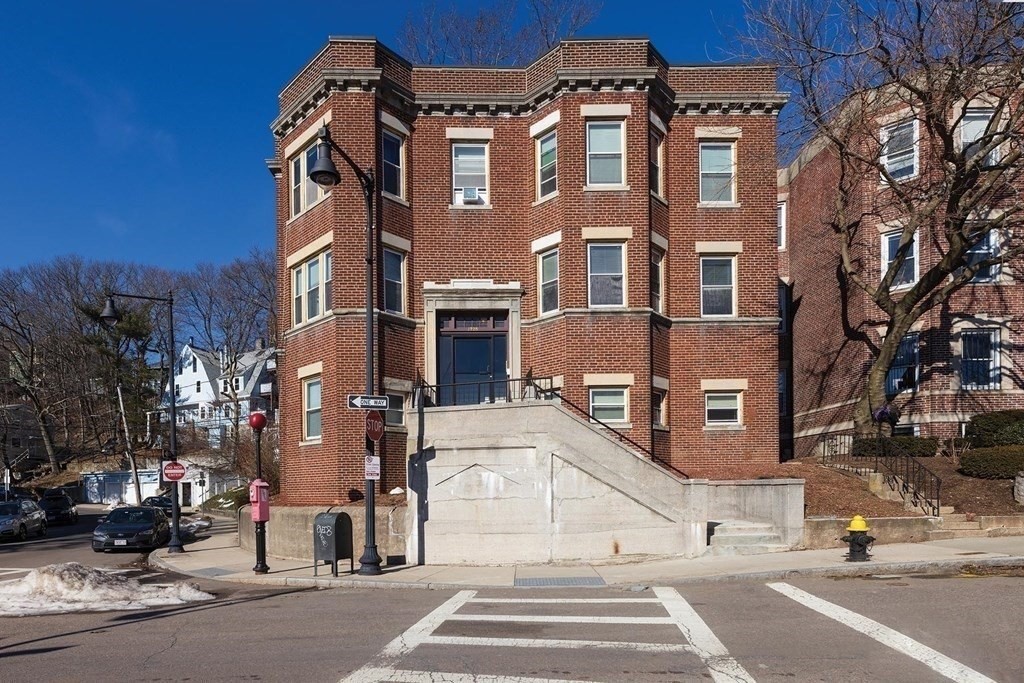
472 357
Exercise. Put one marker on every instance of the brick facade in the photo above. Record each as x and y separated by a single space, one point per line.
364 88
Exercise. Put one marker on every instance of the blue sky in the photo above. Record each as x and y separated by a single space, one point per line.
136 131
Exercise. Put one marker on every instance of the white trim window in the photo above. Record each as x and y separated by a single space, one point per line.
606 274
394 416
657 279
718 172
979 359
392 162
905 368
654 168
780 222
658 397
304 192
311 288
605 159
547 164
394 281
548 274
609 404
722 408
312 427
986 248
900 149
469 173
975 125
907 274
718 286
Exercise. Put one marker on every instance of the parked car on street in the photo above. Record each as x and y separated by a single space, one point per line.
19 517
161 502
59 508
140 528
16 493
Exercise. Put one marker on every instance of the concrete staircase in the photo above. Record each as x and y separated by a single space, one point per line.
956 526
740 537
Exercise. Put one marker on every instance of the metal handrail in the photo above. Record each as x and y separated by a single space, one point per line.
902 472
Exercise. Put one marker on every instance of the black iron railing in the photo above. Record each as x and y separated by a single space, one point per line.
917 484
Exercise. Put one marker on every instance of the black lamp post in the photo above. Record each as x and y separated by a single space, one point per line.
111 316
258 421
325 174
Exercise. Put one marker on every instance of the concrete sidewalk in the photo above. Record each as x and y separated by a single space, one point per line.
218 556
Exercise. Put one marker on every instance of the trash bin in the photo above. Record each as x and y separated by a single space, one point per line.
332 541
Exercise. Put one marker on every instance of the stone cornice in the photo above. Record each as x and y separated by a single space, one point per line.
331 80
731 103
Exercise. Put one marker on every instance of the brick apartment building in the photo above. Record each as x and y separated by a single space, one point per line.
958 359
599 217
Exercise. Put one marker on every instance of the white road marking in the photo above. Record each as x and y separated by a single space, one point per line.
938 662
567 601
558 644
408 676
706 645
532 619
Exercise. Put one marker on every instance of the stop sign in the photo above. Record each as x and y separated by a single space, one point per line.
374 426
174 471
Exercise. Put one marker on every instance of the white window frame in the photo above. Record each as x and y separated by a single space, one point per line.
391 395
300 182
622 273
541 282
485 194
780 220
656 146
995 359
622 151
539 168
384 134
884 159
708 422
990 248
307 410
887 259
732 200
401 283
298 279
625 404
657 279
659 397
993 156
732 261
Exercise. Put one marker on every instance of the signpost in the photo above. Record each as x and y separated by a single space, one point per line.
373 467
363 402
174 470
374 426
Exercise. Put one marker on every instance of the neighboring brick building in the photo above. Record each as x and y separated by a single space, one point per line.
959 358
598 217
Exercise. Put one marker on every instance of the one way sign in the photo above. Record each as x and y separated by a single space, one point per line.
360 402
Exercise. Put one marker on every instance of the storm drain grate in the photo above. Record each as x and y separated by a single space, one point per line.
560 581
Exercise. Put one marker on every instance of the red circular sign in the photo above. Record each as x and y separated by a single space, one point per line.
374 425
174 471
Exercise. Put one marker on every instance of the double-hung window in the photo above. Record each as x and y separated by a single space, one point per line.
654 164
394 281
548 270
780 222
605 164
392 151
658 407
985 249
972 130
717 286
609 404
907 274
718 172
305 193
979 359
899 149
547 165
657 279
469 173
311 425
311 288
395 414
721 408
903 372
606 274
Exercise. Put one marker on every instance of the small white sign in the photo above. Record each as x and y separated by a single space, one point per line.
373 467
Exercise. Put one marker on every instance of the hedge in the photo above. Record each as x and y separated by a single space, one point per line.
997 462
999 428
914 446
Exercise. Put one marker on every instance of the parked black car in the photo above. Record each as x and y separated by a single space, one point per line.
161 502
19 517
59 509
16 493
140 528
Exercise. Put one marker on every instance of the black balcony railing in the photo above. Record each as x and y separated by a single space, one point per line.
915 483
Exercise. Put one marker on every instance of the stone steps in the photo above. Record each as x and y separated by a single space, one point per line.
741 537
947 534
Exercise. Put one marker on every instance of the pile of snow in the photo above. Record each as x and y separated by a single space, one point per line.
73 587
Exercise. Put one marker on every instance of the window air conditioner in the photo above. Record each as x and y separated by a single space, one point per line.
470 195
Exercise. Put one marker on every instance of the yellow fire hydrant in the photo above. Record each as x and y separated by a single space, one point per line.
858 539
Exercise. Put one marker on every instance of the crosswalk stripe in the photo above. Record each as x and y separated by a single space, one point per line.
409 676
567 601
936 661
552 643
560 619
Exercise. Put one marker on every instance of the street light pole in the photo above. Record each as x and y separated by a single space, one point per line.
325 174
257 421
111 316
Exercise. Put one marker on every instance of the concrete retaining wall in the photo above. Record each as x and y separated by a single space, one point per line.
825 532
290 531
779 502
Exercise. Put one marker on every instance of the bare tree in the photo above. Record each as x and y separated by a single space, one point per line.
498 33
850 64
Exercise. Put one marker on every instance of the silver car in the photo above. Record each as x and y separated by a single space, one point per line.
19 517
